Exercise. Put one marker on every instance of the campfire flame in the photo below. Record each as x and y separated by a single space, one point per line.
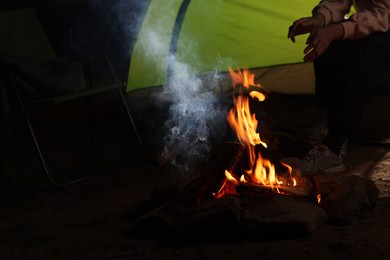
261 170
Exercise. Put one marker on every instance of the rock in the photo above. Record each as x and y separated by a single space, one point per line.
348 199
281 217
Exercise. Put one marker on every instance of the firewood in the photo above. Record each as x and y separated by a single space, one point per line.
253 189
202 188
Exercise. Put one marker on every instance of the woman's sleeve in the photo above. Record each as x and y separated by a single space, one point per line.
333 11
363 23
374 19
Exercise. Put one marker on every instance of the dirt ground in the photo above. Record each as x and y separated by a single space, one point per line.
94 219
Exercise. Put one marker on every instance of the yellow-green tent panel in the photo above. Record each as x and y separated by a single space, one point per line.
216 35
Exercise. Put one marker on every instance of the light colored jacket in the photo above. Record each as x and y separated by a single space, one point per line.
371 16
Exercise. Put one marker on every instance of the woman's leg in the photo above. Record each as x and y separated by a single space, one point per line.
346 80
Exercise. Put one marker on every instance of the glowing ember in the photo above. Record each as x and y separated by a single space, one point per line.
260 170
318 198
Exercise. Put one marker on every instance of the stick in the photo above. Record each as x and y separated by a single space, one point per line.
253 188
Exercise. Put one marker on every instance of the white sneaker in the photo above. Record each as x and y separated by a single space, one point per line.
319 159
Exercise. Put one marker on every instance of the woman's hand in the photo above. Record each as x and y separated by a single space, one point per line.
319 40
305 25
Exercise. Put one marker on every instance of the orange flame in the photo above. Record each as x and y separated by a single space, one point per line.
240 118
244 123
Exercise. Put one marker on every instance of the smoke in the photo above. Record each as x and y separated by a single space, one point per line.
119 20
196 116
127 16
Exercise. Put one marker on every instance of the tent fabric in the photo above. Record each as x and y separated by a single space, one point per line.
149 60
292 79
216 35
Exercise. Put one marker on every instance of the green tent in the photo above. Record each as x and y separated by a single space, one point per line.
208 36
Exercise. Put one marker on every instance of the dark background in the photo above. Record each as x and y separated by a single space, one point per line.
94 219
86 29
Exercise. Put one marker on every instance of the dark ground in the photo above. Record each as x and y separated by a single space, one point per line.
93 219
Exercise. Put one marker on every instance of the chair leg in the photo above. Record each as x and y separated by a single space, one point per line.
43 161
122 96
46 169
42 158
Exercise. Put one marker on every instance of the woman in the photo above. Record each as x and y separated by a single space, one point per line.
348 55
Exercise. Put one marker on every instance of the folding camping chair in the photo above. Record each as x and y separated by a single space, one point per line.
28 106
26 39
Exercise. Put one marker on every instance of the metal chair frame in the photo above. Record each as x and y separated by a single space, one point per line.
82 94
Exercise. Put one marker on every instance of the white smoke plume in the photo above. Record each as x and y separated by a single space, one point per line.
195 116
195 111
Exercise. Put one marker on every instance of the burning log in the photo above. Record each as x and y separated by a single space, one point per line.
242 163
254 189
256 165
202 188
